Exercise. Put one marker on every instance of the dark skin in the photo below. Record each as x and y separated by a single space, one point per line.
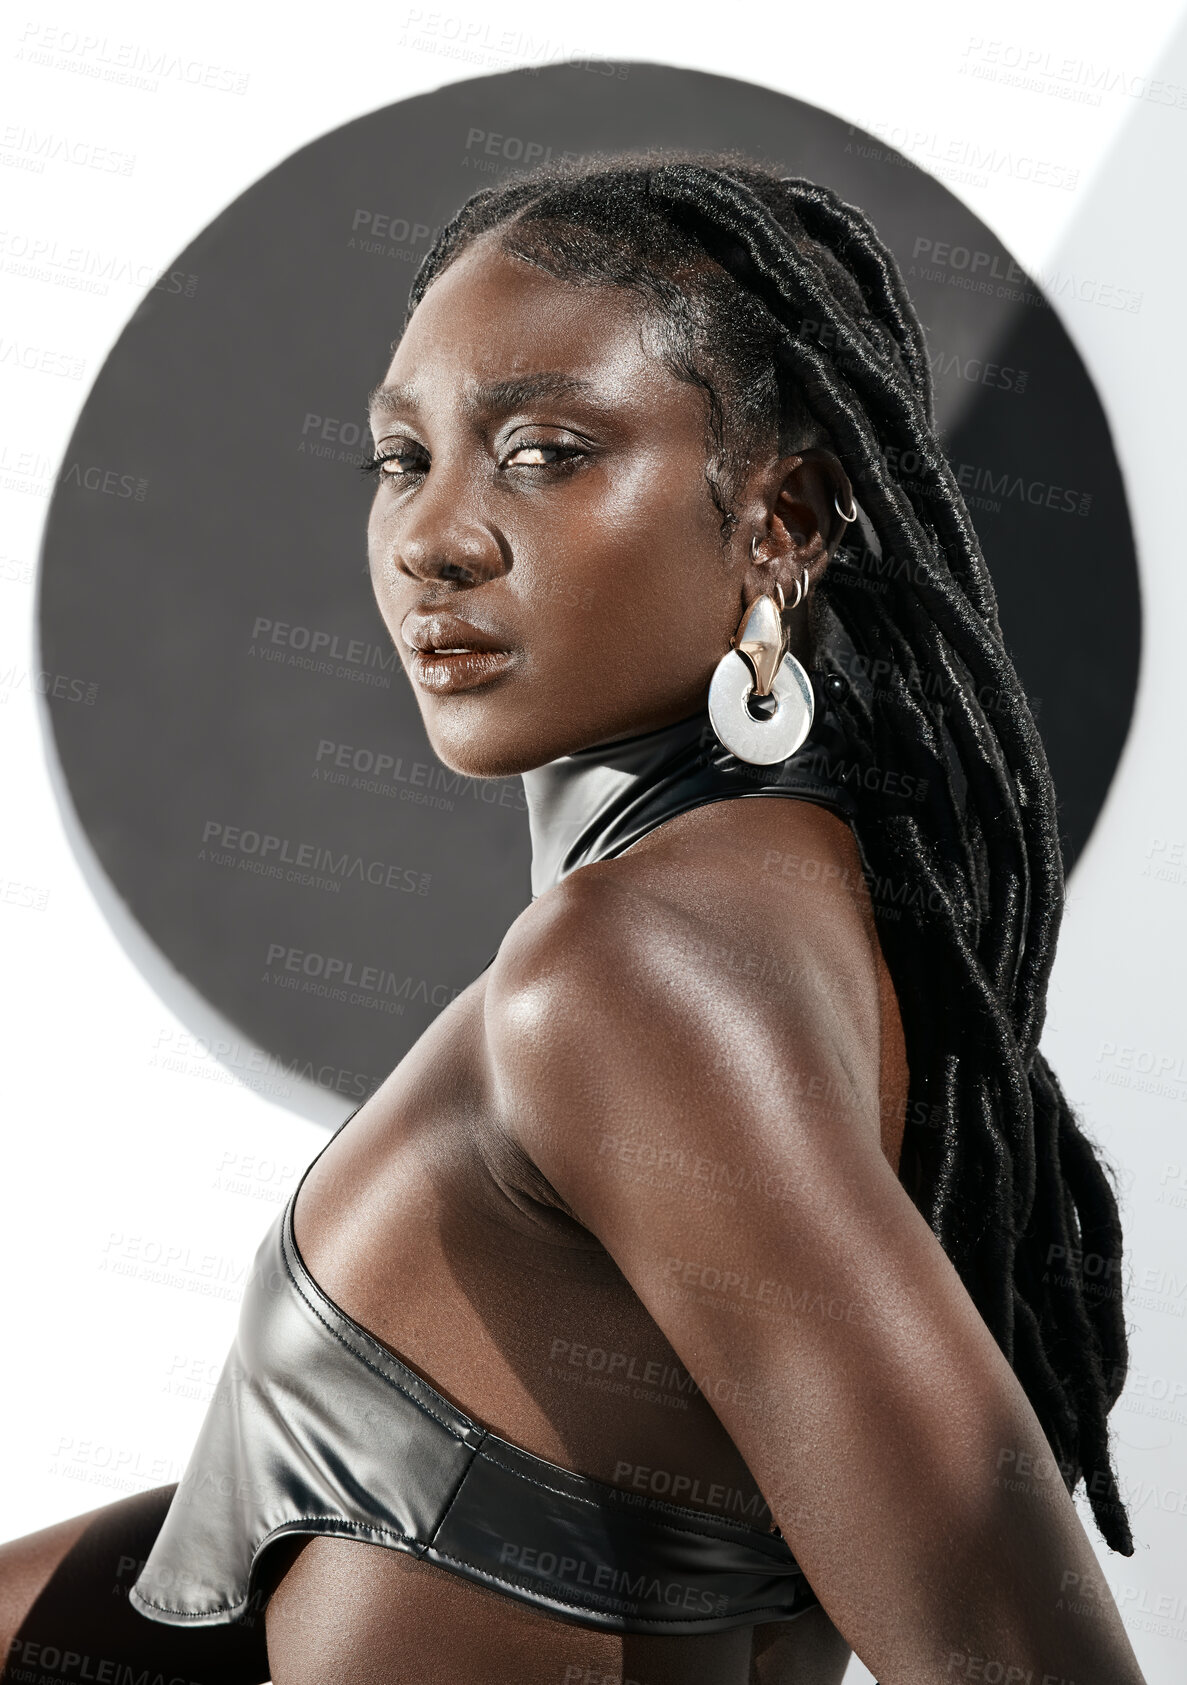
870 1410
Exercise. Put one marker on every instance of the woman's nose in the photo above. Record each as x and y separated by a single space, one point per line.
469 554
444 536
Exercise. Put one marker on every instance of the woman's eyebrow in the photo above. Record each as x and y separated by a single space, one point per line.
488 395
383 401
522 389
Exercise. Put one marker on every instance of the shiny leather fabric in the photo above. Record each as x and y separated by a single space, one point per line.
595 803
317 1428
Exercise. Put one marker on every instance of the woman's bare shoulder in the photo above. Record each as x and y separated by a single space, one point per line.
723 937
757 898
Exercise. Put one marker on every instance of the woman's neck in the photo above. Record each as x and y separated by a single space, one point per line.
598 801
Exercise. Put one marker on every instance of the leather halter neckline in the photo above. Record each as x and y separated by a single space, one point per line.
594 803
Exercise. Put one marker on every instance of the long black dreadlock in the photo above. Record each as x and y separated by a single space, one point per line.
779 301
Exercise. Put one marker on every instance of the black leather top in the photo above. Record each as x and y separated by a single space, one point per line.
316 1427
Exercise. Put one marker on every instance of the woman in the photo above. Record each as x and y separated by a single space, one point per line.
717 1258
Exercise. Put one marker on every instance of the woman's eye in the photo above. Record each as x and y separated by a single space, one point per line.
412 461
394 465
541 456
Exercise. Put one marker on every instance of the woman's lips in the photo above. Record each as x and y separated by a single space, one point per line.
449 653
444 671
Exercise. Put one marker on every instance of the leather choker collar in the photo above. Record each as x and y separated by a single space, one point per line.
596 802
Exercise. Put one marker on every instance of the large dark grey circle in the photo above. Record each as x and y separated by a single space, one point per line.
235 732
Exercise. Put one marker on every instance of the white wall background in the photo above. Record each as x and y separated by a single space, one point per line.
139 1173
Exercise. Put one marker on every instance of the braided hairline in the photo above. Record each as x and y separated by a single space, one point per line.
1009 1169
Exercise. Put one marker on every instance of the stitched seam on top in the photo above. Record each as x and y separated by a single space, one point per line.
457 1492
284 1527
445 1556
361 1357
654 1520
565 1603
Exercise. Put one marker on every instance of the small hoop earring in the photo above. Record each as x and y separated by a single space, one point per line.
757 665
754 551
801 588
852 515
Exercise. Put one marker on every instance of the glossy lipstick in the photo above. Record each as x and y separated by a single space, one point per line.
443 671
450 654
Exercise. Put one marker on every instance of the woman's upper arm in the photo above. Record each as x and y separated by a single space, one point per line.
719 1132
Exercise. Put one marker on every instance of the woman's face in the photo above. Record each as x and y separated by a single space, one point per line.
545 504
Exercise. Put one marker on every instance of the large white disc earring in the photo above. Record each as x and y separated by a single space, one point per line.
753 667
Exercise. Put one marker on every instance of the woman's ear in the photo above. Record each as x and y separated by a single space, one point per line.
815 482
810 489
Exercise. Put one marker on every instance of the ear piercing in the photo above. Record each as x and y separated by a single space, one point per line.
801 584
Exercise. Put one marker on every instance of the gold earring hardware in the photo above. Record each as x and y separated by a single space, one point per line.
760 639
